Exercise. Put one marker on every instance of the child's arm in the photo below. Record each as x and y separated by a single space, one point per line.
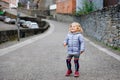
82 47
65 42
81 52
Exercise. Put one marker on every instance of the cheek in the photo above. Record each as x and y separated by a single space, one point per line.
76 29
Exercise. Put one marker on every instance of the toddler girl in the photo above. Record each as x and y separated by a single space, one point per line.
75 44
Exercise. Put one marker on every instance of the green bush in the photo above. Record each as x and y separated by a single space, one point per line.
2 12
88 6
20 4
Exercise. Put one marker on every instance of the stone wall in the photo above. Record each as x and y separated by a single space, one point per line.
103 25
8 35
12 34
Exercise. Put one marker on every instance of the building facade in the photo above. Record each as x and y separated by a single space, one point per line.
69 6
66 6
9 3
98 4
44 4
108 3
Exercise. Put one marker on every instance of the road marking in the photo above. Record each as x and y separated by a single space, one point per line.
26 42
104 50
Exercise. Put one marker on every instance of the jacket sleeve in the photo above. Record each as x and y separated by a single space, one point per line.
82 44
66 40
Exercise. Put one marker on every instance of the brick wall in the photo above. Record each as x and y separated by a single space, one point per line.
66 6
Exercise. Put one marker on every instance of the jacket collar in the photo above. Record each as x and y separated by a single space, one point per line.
74 33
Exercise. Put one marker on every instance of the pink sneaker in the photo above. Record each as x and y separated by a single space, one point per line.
68 73
76 74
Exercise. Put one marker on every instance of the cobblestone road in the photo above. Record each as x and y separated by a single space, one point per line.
43 58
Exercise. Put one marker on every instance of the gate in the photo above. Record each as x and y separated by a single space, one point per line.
108 3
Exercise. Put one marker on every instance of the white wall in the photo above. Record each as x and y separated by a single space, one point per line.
98 4
15 5
52 7
79 4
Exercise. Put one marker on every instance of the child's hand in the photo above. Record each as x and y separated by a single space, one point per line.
81 52
64 44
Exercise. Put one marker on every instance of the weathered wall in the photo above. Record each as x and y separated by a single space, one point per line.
44 4
66 6
12 34
110 2
8 35
103 25
35 12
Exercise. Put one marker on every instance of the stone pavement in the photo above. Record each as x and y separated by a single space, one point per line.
42 57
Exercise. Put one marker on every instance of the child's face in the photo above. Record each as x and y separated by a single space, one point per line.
73 28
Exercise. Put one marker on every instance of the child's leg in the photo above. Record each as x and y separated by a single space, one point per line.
76 62
68 62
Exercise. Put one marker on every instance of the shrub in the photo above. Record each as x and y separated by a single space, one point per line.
88 6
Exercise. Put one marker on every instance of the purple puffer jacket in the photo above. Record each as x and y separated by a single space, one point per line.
75 43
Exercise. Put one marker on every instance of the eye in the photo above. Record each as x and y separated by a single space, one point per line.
73 26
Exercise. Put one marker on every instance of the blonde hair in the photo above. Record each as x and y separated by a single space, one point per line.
79 28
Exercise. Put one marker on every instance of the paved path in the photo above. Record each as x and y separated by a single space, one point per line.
43 58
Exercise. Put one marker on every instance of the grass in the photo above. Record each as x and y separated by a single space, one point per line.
114 48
